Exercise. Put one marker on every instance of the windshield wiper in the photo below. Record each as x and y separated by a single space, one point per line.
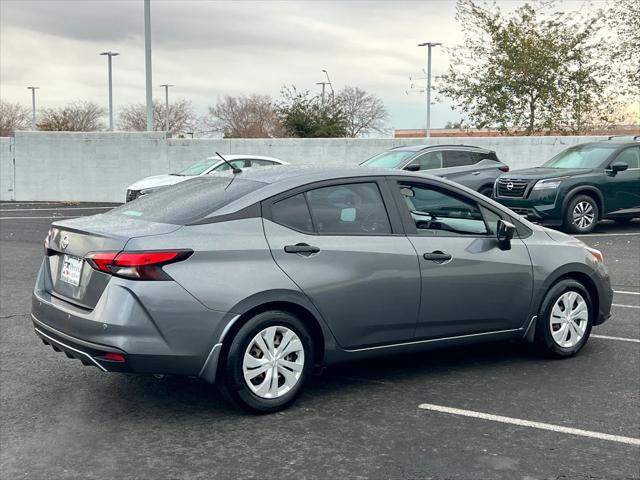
178 174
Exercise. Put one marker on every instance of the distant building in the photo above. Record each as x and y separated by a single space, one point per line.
623 130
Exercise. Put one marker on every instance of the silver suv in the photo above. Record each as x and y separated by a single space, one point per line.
473 167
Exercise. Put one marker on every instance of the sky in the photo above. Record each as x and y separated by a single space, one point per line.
208 49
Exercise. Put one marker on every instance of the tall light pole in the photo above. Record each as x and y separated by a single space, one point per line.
324 84
147 63
430 45
166 105
110 54
330 84
33 106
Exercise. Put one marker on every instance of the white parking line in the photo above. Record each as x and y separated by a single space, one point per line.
31 218
626 293
529 423
607 234
52 208
625 306
619 339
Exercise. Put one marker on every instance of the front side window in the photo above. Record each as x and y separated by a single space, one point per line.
630 156
261 163
223 167
427 161
457 158
433 210
198 168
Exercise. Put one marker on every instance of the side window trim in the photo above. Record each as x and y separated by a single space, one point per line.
397 227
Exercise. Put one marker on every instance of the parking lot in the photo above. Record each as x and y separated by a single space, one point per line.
491 411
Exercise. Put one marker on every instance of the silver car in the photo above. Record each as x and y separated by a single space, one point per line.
203 167
253 279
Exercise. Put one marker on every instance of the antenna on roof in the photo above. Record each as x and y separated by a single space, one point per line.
233 169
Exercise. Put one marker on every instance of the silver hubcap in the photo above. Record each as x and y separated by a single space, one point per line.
569 318
273 362
583 214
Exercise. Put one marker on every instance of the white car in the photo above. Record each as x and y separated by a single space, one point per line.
203 167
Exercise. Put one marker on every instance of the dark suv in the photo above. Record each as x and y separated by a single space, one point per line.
473 167
577 187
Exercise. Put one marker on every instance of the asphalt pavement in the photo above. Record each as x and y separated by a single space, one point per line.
482 412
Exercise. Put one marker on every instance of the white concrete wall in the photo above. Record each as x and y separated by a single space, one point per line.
6 169
70 166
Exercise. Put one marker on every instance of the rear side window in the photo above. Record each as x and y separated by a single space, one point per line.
457 158
293 212
261 163
188 201
349 209
479 156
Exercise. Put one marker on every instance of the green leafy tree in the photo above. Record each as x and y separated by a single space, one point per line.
532 71
304 115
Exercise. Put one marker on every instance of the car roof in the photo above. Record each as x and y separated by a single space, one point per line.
418 148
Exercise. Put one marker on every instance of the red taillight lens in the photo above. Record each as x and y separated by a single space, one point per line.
503 168
114 357
136 265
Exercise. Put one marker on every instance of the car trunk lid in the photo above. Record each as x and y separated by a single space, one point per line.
70 276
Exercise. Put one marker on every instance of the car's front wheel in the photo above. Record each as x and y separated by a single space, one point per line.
581 215
564 319
268 362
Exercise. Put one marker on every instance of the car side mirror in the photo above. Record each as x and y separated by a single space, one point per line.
412 168
616 167
504 233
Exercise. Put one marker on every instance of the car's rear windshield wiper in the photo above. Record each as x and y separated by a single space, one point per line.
178 174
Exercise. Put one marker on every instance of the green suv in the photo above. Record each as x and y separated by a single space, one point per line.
577 187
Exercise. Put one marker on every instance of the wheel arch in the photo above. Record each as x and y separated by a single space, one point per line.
588 190
577 272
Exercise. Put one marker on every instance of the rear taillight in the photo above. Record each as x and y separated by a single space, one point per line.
136 265
503 168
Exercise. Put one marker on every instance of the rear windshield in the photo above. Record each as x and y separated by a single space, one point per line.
391 159
188 201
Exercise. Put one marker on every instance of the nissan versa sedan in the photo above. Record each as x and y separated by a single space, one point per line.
203 167
250 280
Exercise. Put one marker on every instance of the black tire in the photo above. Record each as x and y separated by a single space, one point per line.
580 201
233 383
486 191
544 339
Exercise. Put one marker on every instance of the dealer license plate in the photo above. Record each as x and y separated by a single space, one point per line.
71 269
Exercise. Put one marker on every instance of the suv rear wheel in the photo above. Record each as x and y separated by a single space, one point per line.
581 214
268 362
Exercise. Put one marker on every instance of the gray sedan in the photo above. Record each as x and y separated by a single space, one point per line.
251 280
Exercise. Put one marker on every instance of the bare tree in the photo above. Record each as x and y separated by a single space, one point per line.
133 116
73 117
13 116
245 117
365 113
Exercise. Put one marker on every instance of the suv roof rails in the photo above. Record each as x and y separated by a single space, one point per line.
633 137
637 137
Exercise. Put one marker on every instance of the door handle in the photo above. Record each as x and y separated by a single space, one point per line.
475 173
437 256
301 248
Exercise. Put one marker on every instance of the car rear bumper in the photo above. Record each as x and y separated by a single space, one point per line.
157 327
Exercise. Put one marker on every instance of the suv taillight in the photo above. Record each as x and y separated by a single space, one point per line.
137 265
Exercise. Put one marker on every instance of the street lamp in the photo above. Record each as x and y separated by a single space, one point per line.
330 84
166 104
33 106
110 54
430 45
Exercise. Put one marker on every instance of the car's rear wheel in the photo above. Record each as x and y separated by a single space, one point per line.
268 362
581 215
564 320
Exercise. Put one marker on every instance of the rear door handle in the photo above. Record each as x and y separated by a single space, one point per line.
437 256
301 248
475 173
